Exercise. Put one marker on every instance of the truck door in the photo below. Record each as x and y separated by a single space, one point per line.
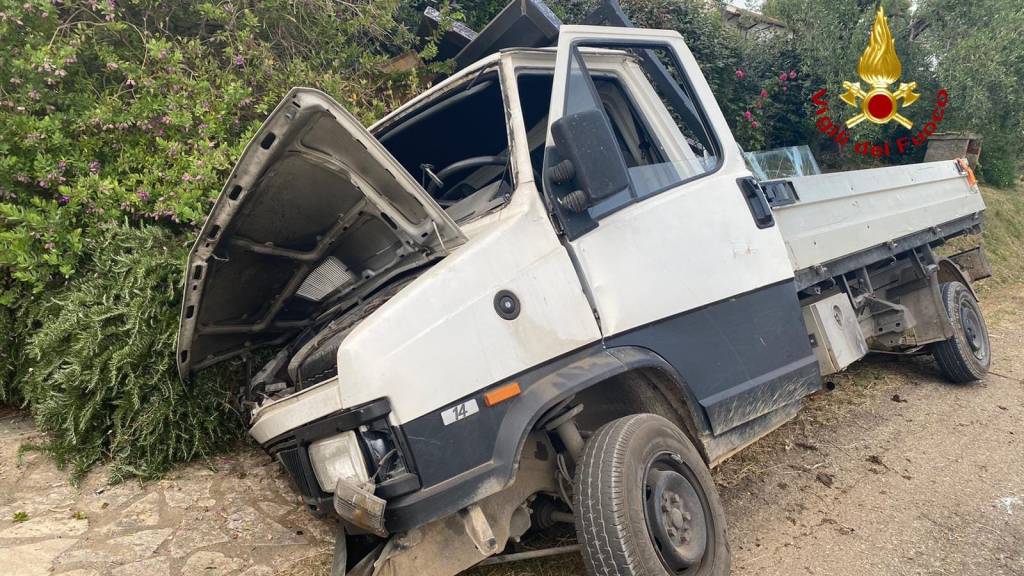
672 237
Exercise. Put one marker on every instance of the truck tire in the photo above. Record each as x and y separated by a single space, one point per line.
966 356
645 503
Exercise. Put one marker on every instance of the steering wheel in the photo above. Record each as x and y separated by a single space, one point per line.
437 180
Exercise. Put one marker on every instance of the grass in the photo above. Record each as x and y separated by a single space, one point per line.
1002 236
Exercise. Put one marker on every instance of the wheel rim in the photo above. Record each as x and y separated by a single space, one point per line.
973 330
677 515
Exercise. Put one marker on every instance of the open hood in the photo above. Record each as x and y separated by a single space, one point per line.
315 215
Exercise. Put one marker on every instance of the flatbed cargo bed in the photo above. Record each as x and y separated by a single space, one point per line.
842 221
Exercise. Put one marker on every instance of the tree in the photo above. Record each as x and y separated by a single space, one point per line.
977 55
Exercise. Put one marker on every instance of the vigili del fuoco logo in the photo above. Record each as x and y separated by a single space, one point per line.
880 69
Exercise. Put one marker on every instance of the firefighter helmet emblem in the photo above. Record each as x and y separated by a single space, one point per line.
879 66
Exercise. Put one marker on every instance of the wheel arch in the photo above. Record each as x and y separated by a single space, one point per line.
649 377
646 384
950 272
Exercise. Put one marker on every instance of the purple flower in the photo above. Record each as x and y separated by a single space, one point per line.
143 195
129 83
62 164
740 74
239 61
63 200
94 167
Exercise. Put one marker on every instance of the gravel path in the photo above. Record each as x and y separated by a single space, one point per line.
894 473
241 517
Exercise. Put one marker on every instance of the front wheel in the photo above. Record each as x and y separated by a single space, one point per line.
645 503
966 356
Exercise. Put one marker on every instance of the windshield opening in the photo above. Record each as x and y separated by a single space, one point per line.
458 148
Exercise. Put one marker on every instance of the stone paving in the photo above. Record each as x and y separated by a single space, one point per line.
236 515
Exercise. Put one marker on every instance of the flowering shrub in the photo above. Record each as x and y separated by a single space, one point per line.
134 111
773 109
119 121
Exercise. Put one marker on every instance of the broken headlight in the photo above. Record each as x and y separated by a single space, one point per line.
337 457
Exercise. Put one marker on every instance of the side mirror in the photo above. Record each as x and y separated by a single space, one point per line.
586 140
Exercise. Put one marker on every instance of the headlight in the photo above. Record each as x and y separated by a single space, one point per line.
337 457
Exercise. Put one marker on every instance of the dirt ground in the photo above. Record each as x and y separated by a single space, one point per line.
893 473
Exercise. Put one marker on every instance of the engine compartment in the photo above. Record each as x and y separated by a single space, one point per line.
311 357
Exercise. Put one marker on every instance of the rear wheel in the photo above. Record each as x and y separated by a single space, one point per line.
966 356
645 503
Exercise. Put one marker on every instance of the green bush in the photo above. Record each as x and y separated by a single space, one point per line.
118 124
137 109
103 381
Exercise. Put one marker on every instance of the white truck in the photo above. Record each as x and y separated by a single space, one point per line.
584 303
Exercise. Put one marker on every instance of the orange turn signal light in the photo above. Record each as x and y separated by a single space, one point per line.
965 167
502 393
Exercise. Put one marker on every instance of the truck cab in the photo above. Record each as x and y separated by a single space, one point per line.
548 275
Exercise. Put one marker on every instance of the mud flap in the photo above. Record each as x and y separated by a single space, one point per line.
339 563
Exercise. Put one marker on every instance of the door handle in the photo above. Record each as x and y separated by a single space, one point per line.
756 201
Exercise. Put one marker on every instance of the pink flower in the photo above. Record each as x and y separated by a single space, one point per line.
783 76
111 65
747 115
239 61
740 74
754 124
143 195
792 74
49 246
129 83
94 167
764 93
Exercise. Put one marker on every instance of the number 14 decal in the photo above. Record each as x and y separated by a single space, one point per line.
459 412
